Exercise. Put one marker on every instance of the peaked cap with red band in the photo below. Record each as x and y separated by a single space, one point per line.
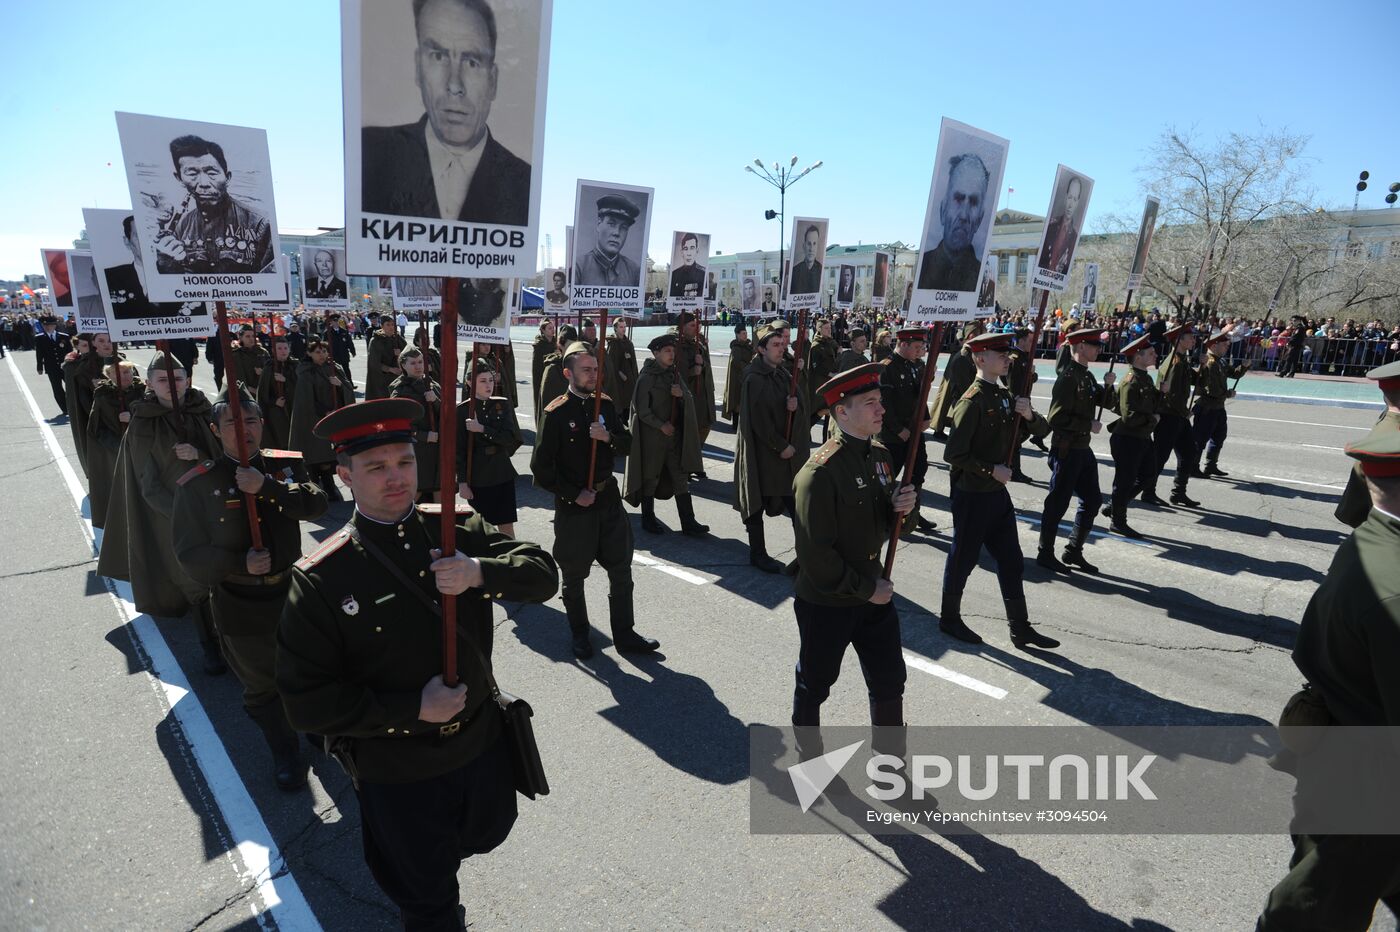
1387 377
997 342
1379 455
360 427
855 381
910 334
1085 335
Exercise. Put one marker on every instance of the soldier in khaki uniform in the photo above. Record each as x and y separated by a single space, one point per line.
415 384
546 343
983 515
360 660
821 365
958 374
1356 500
665 441
248 587
493 435
383 367
1137 404
740 355
622 369
1211 422
74 366
111 413
277 389
322 386
854 355
1173 432
693 361
1023 367
901 379
248 359
846 506
553 382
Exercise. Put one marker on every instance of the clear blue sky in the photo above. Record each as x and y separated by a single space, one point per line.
680 96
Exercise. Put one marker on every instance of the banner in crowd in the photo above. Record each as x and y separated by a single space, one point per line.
60 300
1089 297
120 266
967 175
804 291
202 199
282 304
416 293
688 264
711 291
1069 202
751 292
89 312
556 291
846 286
324 281
1144 242
611 226
987 289
444 141
484 309
881 281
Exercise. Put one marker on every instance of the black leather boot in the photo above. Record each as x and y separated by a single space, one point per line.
213 651
624 633
1022 634
950 620
890 733
1179 497
758 549
685 505
649 522
576 610
288 768
1074 552
1213 467
1119 524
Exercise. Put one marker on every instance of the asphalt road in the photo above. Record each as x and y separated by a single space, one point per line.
135 794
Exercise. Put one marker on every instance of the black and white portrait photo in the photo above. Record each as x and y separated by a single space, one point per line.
483 309
846 286
808 252
987 290
1090 295
967 175
87 296
1144 242
417 293
611 223
749 298
1069 203
323 279
770 300
881 280
120 264
446 102
556 291
687 279
202 198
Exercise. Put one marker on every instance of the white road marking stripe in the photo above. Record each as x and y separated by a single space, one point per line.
256 847
1316 485
1318 446
669 570
953 676
1068 527
1276 420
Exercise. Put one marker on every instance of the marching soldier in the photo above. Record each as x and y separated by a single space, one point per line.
821 365
766 456
1356 501
958 375
1348 650
248 359
854 355
1211 419
248 587
693 361
322 386
1137 405
415 384
360 660
983 515
665 443
903 375
622 369
277 389
51 347
503 361
432 359
740 355
160 446
1173 433
111 413
75 367
545 344
590 524
1023 367
1074 471
553 381
846 505
383 365
341 345
493 436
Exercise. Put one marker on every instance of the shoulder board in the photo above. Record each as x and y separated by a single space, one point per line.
972 392
330 546
435 508
826 452
887 360
281 454
604 396
199 470
557 403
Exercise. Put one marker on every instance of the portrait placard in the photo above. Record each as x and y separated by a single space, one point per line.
416 293
483 309
967 174
881 281
750 294
804 291
89 313
121 279
283 303
202 199
1089 297
686 291
846 286
1144 242
444 118
56 272
324 282
1069 202
611 226
987 290
556 291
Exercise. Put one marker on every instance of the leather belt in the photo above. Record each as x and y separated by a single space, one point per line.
271 579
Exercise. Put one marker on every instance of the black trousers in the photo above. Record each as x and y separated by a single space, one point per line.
984 519
59 395
1134 465
899 450
417 834
1209 431
1173 434
1073 473
825 631
598 533
1333 884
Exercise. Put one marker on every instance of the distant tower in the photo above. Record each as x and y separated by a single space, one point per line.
548 251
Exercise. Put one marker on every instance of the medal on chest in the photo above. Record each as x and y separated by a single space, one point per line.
349 606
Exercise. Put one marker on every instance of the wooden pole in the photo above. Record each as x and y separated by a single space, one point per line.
163 347
1113 357
916 436
1030 372
470 384
235 410
797 365
597 392
447 474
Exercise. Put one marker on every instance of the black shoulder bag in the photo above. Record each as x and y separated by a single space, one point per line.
516 713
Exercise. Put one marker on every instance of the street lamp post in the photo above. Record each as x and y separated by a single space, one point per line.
781 177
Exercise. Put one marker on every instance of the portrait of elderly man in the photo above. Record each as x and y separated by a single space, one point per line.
689 276
126 283
953 265
447 165
1061 233
321 280
605 264
210 231
807 273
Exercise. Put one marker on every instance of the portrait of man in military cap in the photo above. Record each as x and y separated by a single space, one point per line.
606 251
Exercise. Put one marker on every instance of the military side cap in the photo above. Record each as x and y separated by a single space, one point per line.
1220 336
576 347
615 205
910 334
1176 333
855 381
661 342
1141 343
1387 377
357 428
1379 454
990 342
685 318
244 395
1084 336
567 334
771 329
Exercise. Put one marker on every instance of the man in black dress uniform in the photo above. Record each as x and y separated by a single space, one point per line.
50 349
